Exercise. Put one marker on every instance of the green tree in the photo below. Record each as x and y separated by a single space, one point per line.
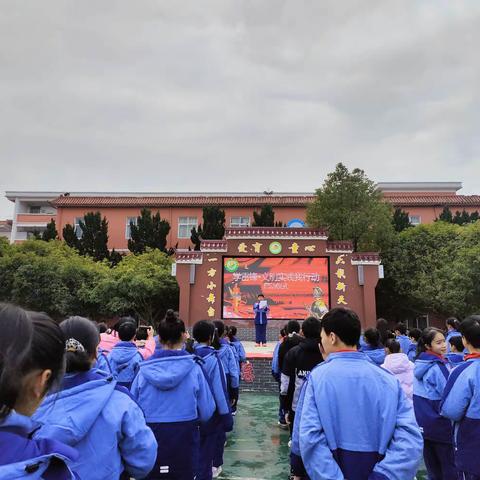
149 232
70 236
351 207
400 220
446 215
140 285
213 226
266 217
51 232
94 240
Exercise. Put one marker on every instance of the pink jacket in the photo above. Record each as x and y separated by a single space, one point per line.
109 340
402 368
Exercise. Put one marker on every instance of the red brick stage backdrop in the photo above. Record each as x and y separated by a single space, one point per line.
298 270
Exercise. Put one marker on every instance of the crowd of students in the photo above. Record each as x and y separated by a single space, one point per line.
369 406
78 401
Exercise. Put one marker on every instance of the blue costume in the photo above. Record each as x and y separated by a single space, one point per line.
97 417
375 354
404 342
124 360
430 378
102 362
260 322
376 438
461 404
454 359
222 420
24 458
172 390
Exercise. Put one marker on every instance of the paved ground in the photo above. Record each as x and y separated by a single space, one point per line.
257 449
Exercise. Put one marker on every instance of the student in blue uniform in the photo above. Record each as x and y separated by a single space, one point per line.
94 415
461 402
430 378
402 338
456 355
414 335
376 438
32 349
452 325
373 347
240 355
222 421
172 390
125 358
276 373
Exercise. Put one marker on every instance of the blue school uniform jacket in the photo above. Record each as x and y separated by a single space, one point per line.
376 355
461 404
429 380
25 458
412 352
454 359
404 342
217 381
173 392
102 362
124 360
229 363
98 418
260 314
275 365
356 423
238 348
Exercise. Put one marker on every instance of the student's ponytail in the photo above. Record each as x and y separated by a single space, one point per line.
28 341
425 341
171 328
454 323
231 333
82 339
216 339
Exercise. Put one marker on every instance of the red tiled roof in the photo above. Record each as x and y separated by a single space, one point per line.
401 200
276 232
183 201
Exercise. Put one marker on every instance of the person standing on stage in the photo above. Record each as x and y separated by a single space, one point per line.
261 308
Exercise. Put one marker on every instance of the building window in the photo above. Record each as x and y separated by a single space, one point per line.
128 233
415 220
34 209
185 225
77 228
240 222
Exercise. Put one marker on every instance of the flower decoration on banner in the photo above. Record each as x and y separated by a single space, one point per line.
256 247
294 248
242 248
341 277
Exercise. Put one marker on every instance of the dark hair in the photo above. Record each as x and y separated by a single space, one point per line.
293 327
456 341
171 328
470 329
401 328
453 322
123 320
261 295
382 327
28 341
142 333
203 331
426 339
344 323
189 345
232 331
220 326
392 345
102 327
127 331
415 333
372 337
311 328
283 332
84 331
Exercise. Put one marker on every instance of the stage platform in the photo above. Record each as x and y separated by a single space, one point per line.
259 352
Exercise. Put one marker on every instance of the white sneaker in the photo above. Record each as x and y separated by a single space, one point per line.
216 471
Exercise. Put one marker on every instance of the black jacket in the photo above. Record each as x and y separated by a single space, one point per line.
290 341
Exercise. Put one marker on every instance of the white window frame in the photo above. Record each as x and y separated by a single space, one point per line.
76 226
239 223
35 207
189 223
411 217
128 233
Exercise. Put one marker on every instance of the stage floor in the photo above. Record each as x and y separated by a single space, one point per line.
259 352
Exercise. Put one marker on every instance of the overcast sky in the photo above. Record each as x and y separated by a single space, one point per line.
236 95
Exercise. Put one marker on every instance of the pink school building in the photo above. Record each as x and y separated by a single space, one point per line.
33 210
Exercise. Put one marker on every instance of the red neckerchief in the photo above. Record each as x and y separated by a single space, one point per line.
472 356
436 355
346 350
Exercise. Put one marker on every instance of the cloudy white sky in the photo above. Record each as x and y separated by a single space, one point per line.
232 95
